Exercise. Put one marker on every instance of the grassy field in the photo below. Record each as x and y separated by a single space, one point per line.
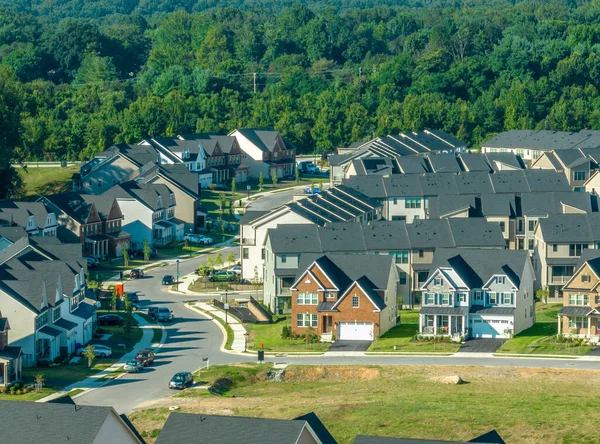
270 336
44 181
540 339
524 405
401 336
31 396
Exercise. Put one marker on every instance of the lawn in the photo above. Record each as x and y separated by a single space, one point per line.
45 181
270 336
401 337
31 396
525 406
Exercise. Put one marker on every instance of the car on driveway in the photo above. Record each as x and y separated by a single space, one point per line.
237 269
181 380
163 314
101 351
168 279
222 276
205 240
145 357
110 319
92 262
133 366
136 273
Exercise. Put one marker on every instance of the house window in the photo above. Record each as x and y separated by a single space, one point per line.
307 299
479 296
586 278
578 175
420 253
530 244
355 301
579 299
429 299
507 298
283 258
438 281
462 297
330 295
493 298
444 299
554 248
41 320
576 249
501 279
245 253
55 314
502 226
401 256
519 225
531 225
577 322
412 203
402 276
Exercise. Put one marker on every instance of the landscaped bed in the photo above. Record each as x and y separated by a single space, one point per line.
269 335
524 405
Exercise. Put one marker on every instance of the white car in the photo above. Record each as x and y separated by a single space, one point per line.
206 240
192 238
236 269
101 351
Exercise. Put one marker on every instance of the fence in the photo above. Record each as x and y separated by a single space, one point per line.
59 164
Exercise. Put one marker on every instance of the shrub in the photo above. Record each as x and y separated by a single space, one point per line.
6 391
19 392
286 332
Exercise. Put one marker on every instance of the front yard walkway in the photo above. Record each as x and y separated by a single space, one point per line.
239 331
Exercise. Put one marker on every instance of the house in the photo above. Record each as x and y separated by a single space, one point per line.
478 294
574 163
560 241
345 296
531 144
33 217
339 204
95 221
10 357
43 295
491 437
266 151
148 212
214 429
411 245
580 314
64 422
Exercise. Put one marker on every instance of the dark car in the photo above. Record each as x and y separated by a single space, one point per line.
181 380
145 356
110 319
133 297
136 273
168 280
152 311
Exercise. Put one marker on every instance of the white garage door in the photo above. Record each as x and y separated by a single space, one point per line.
356 331
489 327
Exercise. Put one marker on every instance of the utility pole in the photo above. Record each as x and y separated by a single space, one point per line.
226 306
254 83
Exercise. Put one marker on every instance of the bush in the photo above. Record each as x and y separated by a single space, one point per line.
6 391
286 332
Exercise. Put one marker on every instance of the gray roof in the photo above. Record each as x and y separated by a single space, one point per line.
84 311
13 234
155 196
264 139
475 162
19 212
325 306
508 159
318 427
47 330
544 204
295 238
67 325
491 437
499 311
571 310
476 266
592 258
10 352
177 174
444 310
443 163
51 423
252 215
213 429
564 228
543 140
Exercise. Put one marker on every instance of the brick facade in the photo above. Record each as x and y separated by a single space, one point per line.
583 282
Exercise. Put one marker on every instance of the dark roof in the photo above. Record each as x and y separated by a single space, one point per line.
84 311
19 212
444 310
67 325
13 234
325 306
264 139
252 215
177 174
66 399
213 429
575 311
564 228
444 163
543 140
154 195
500 311
10 352
318 427
72 204
491 437
592 258
544 204
295 238
47 330
56 423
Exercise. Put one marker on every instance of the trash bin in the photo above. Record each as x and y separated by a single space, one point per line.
119 288
261 356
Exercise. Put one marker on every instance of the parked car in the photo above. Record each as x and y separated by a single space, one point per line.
205 240
132 296
168 279
145 357
133 366
193 238
313 191
237 269
92 262
221 187
163 314
101 351
136 273
222 276
181 380
110 319
152 311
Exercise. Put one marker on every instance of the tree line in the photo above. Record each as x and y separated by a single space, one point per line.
323 76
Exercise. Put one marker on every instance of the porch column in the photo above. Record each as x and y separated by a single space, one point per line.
420 323
589 326
559 324
464 321
435 322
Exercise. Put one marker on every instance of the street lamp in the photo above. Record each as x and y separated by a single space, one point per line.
177 276
245 342
226 306
190 245
248 189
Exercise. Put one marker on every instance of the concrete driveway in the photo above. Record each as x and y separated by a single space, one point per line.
350 346
483 345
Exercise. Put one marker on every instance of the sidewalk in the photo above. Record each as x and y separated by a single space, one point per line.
99 379
239 341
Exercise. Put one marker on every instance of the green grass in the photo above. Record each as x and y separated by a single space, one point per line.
401 336
75 392
31 396
157 335
525 406
70 372
45 181
270 336
540 338
224 378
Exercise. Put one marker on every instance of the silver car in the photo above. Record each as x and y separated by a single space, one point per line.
133 366
163 314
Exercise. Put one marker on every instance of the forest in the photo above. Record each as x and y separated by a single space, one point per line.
77 76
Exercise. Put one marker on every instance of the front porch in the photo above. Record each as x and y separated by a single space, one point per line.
47 347
581 322
162 234
96 246
444 325
10 365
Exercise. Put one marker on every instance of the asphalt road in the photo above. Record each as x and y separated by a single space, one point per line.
271 201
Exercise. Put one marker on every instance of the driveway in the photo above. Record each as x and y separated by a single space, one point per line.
594 352
350 346
481 345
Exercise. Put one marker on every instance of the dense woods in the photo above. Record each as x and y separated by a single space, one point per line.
79 75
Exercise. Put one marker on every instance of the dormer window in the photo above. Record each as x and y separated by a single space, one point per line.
330 295
586 278
501 279
355 301
438 281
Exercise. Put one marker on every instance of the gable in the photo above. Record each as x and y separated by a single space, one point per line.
577 283
319 274
93 216
344 303
115 211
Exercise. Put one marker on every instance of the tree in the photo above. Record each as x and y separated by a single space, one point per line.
230 258
89 354
297 176
95 70
203 271
128 319
256 280
147 250
274 177
125 254
261 181
210 264
218 260
222 203
39 382
233 188
113 298
542 294
320 186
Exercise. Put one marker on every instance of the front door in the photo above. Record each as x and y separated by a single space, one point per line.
327 324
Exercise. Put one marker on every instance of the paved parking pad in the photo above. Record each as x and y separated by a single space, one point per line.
350 346
481 345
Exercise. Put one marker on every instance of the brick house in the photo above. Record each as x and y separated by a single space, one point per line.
346 296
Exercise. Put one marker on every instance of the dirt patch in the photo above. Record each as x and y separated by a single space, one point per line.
331 374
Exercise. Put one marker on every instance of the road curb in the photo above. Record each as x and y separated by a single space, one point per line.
207 316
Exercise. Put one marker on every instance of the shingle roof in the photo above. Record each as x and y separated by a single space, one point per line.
51 423
187 427
155 196
19 212
444 163
575 311
499 311
318 427
444 310
543 140
563 228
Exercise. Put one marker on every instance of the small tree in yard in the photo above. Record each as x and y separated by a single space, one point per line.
320 186
210 263
230 258
113 298
233 188
297 176
39 382
147 250
542 294
125 254
128 320
203 271
89 355
274 177
222 203
256 281
175 243
261 181
218 260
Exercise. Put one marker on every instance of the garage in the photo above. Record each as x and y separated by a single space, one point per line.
355 331
486 327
